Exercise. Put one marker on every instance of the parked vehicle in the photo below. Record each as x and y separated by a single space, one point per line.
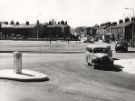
99 56
89 40
121 46
96 39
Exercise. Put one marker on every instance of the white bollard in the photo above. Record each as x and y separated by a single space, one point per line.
18 62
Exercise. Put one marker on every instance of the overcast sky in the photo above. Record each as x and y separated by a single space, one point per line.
75 12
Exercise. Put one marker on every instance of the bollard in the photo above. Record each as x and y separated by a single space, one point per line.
17 62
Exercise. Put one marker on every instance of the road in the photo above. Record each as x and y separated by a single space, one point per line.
70 77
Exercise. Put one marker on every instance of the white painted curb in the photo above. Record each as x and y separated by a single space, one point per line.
26 75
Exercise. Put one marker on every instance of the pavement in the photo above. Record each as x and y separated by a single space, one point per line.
127 64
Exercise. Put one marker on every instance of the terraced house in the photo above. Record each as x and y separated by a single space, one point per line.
17 31
32 31
124 30
60 30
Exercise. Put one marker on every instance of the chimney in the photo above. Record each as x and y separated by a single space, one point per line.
12 22
120 21
109 23
65 22
27 23
102 24
6 23
58 23
114 23
106 24
133 19
17 23
127 20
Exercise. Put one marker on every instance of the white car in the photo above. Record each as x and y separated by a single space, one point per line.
99 56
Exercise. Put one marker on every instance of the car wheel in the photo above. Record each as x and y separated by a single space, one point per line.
89 64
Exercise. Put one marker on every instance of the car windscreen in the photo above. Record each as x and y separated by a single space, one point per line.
100 50
121 43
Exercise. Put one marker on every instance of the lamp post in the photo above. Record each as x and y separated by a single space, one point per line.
132 27
38 25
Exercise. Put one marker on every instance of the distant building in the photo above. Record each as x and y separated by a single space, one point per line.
6 30
92 31
101 31
0 31
81 32
122 31
56 30
25 30
18 31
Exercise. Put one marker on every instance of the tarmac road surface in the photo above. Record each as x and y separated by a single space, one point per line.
70 80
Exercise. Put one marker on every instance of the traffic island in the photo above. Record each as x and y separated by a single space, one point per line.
20 74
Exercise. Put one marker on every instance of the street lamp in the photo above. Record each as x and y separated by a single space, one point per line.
132 27
38 25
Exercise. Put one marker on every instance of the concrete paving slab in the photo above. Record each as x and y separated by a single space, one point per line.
26 75
128 64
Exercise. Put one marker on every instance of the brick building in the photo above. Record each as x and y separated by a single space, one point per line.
59 30
18 31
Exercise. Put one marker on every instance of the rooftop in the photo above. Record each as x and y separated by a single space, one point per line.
120 25
7 26
18 26
25 26
57 25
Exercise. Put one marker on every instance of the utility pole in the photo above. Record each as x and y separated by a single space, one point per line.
38 25
37 29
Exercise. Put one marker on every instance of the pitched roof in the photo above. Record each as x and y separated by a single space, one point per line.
120 25
18 26
102 27
7 26
124 24
57 25
25 26
112 26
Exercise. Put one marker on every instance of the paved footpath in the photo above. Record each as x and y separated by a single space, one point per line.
128 64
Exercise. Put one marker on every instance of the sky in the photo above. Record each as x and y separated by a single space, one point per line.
75 12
